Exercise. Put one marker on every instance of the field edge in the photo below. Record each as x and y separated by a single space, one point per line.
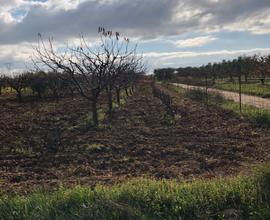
242 197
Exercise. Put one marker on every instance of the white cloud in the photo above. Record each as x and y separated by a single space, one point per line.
8 4
170 55
17 56
63 4
145 19
195 42
139 19
21 54
189 58
258 23
6 17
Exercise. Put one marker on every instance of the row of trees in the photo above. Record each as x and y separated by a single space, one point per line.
244 66
108 67
39 83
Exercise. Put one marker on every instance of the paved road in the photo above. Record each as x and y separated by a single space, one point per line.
246 99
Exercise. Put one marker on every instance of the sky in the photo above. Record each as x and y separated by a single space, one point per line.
169 33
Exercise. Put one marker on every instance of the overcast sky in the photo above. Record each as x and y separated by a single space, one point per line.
169 32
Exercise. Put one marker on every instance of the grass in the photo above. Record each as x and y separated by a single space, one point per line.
23 151
259 117
240 197
248 88
87 122
200 96
96 148
10 91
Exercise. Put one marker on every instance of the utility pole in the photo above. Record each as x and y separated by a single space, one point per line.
240 93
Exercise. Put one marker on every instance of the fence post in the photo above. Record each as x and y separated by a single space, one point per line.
206 88
240 93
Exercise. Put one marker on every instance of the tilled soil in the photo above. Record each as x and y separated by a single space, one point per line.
140 141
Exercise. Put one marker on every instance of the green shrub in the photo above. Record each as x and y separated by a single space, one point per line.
201 96
261 118
196 95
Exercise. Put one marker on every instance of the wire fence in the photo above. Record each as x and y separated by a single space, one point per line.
251 96
165 99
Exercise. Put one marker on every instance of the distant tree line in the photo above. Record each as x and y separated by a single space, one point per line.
164 74
244 66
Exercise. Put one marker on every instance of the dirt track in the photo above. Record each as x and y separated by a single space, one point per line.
140 141
246 99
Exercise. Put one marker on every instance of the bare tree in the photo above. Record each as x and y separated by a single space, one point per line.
262 68
37 82
18 83
117 53
127 74
2 83
90 69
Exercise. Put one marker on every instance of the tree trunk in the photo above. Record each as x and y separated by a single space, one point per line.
110 101
118 96
94 113
213 80
126 89
246 78
231 79
56 95
72 93
206 89
240 94
19 96
39 94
